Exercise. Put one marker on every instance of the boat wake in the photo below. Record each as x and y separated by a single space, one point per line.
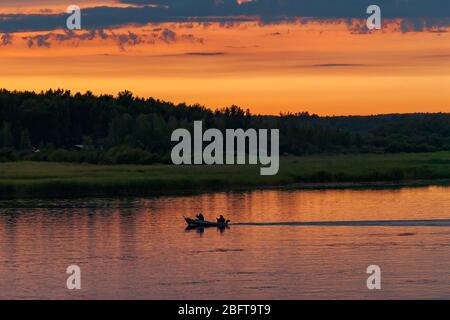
365 223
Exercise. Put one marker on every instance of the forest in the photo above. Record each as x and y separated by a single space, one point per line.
61 126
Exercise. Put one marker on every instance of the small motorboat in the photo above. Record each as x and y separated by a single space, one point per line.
195 223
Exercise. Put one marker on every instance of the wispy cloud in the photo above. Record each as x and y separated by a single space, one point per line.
6 39
203 54
337 65
122 39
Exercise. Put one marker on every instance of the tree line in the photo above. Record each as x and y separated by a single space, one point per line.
57 125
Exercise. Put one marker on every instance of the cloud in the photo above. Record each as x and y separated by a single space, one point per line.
272 9
203 54
122 39
337 65
418 15
168 36
6 39
436 56
41 40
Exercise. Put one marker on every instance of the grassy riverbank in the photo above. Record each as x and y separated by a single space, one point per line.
46 179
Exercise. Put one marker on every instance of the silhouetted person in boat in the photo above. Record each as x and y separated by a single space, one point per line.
200 217
221 219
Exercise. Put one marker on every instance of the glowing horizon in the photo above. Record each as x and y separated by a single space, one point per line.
323 66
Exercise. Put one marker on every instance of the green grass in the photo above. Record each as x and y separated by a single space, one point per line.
45 179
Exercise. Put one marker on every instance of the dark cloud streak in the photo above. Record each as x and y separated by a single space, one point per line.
337 65
419 14
123 40
273 9
205 54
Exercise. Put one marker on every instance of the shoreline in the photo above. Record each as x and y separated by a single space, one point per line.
312 186
319 172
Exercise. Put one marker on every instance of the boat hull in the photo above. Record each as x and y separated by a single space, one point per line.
204 224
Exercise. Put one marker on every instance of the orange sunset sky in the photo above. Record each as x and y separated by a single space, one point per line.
324 66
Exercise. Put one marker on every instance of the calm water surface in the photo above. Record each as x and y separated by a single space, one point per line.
139 248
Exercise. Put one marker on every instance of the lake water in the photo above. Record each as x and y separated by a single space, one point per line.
284 245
